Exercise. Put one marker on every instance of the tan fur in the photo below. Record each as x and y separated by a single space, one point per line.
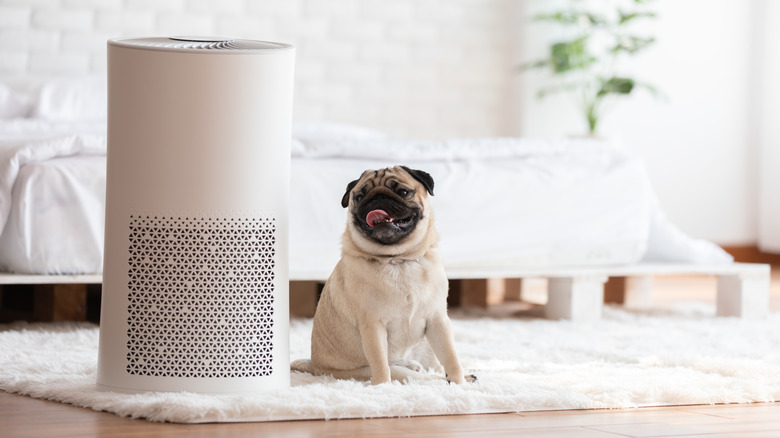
384 307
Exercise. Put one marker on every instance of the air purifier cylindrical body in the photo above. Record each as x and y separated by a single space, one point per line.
195 281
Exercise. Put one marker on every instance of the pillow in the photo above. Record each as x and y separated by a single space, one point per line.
72 99
13 104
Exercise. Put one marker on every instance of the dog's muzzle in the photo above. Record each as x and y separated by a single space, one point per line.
387 220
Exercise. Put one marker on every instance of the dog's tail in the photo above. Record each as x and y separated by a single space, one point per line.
302 366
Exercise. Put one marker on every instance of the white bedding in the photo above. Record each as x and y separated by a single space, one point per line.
499 202
52 198
56 227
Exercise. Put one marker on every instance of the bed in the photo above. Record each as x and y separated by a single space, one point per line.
502 205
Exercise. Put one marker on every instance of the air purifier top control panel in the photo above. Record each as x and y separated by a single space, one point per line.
201 44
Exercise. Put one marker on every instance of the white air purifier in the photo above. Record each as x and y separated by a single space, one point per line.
195 281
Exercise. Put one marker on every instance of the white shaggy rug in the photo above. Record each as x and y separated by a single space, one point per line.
626 359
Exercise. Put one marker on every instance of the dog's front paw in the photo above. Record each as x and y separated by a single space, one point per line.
471 378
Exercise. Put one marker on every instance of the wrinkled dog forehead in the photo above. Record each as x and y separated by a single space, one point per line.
391 178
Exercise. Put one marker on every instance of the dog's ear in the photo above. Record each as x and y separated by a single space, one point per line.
345 198
423 177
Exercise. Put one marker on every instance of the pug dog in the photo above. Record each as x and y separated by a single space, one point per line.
382 314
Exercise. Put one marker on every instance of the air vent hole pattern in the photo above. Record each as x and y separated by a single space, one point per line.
201 297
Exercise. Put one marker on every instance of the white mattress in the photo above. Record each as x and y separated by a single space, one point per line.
498 203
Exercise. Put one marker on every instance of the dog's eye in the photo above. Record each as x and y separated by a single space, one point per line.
358 197
402 192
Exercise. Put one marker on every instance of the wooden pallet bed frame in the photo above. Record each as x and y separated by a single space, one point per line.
579 293
576 293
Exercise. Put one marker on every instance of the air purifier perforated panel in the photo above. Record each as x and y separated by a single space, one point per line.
195 280
201 297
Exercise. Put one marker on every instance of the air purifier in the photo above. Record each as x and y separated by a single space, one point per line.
195 281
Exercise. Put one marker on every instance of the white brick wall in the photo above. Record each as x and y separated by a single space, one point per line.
412 68
14 17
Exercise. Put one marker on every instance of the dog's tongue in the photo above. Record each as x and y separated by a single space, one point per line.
377 216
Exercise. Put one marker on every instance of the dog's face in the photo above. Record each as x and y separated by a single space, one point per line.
386 206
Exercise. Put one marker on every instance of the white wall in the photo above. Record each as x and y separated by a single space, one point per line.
767 91
698 144
419 68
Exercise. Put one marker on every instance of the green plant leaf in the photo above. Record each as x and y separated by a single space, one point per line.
570 55
626 17
615 85
632 44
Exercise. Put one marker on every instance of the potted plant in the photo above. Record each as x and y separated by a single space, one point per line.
587 63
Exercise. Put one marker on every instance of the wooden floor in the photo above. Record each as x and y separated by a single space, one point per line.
27 417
